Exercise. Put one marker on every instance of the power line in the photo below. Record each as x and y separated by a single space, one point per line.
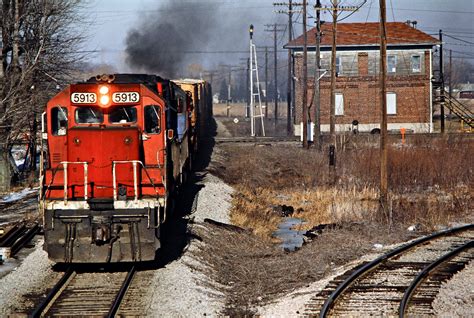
456 38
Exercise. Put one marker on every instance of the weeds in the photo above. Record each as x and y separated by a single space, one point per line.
430 183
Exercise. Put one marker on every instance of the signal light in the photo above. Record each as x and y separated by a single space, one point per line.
104 90
104 100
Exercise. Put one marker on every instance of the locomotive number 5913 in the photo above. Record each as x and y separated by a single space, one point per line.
126 97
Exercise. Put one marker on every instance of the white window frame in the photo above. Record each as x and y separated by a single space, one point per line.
339 109
394 68
391 103
338 64
413 69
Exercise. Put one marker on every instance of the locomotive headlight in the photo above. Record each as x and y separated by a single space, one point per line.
103 90
104 100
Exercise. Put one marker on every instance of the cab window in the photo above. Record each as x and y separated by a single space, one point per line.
59 121
123 114
89 115
152 119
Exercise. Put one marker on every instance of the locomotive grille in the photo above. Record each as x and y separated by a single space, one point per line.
56 157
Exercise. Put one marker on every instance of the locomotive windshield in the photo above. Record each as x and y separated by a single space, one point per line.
123 114
89 115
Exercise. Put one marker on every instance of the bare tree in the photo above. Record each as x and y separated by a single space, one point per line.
40 42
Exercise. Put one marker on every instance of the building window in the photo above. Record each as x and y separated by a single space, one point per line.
339 104
416 63
391 63
391 104
338 65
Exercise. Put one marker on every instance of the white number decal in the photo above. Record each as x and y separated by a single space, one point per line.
83 98
126 97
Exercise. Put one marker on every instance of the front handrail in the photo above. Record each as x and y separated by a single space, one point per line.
135 176
65 164
65 187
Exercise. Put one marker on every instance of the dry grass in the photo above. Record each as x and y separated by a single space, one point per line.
430 183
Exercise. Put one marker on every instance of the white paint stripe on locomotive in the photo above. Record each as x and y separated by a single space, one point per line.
66 205
83 205
139 204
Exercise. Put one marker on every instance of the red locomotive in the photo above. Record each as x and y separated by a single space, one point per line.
118 149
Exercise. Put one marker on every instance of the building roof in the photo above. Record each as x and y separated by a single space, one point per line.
366 34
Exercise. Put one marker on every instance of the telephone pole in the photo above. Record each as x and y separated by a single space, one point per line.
289 87
274 29
332 118
266 81
441 74
383 108
450 78
317 75
305 80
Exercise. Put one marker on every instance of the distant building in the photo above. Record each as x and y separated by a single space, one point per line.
409 70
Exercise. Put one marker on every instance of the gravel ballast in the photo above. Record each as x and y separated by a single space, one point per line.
456 297
177 288
34 275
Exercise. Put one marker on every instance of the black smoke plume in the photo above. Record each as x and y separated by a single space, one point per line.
162 42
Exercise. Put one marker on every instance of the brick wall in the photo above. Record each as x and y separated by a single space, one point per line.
361 96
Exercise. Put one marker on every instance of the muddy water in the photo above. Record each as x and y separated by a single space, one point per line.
290 234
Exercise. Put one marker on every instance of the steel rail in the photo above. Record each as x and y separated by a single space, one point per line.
44 306
12 235
255 139
329 303
123 289
24 239
419 278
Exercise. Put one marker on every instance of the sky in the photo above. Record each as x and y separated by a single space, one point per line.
115 19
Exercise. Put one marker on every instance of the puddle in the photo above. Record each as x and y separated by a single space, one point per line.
290 233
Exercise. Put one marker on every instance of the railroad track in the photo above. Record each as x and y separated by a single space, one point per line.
86 294
403 281
18 236
220 140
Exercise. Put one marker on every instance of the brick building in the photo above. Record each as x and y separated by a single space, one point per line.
409 71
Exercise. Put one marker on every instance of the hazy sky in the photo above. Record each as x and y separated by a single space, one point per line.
115 19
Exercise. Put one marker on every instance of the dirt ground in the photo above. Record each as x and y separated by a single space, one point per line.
245 260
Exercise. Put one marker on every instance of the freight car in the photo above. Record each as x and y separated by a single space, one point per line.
118 149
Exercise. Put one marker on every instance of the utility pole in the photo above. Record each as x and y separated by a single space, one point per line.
266 81
316 95
275 71
305 80
289 85
441 74
383 108
229 92
450 78
332 118
275 65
